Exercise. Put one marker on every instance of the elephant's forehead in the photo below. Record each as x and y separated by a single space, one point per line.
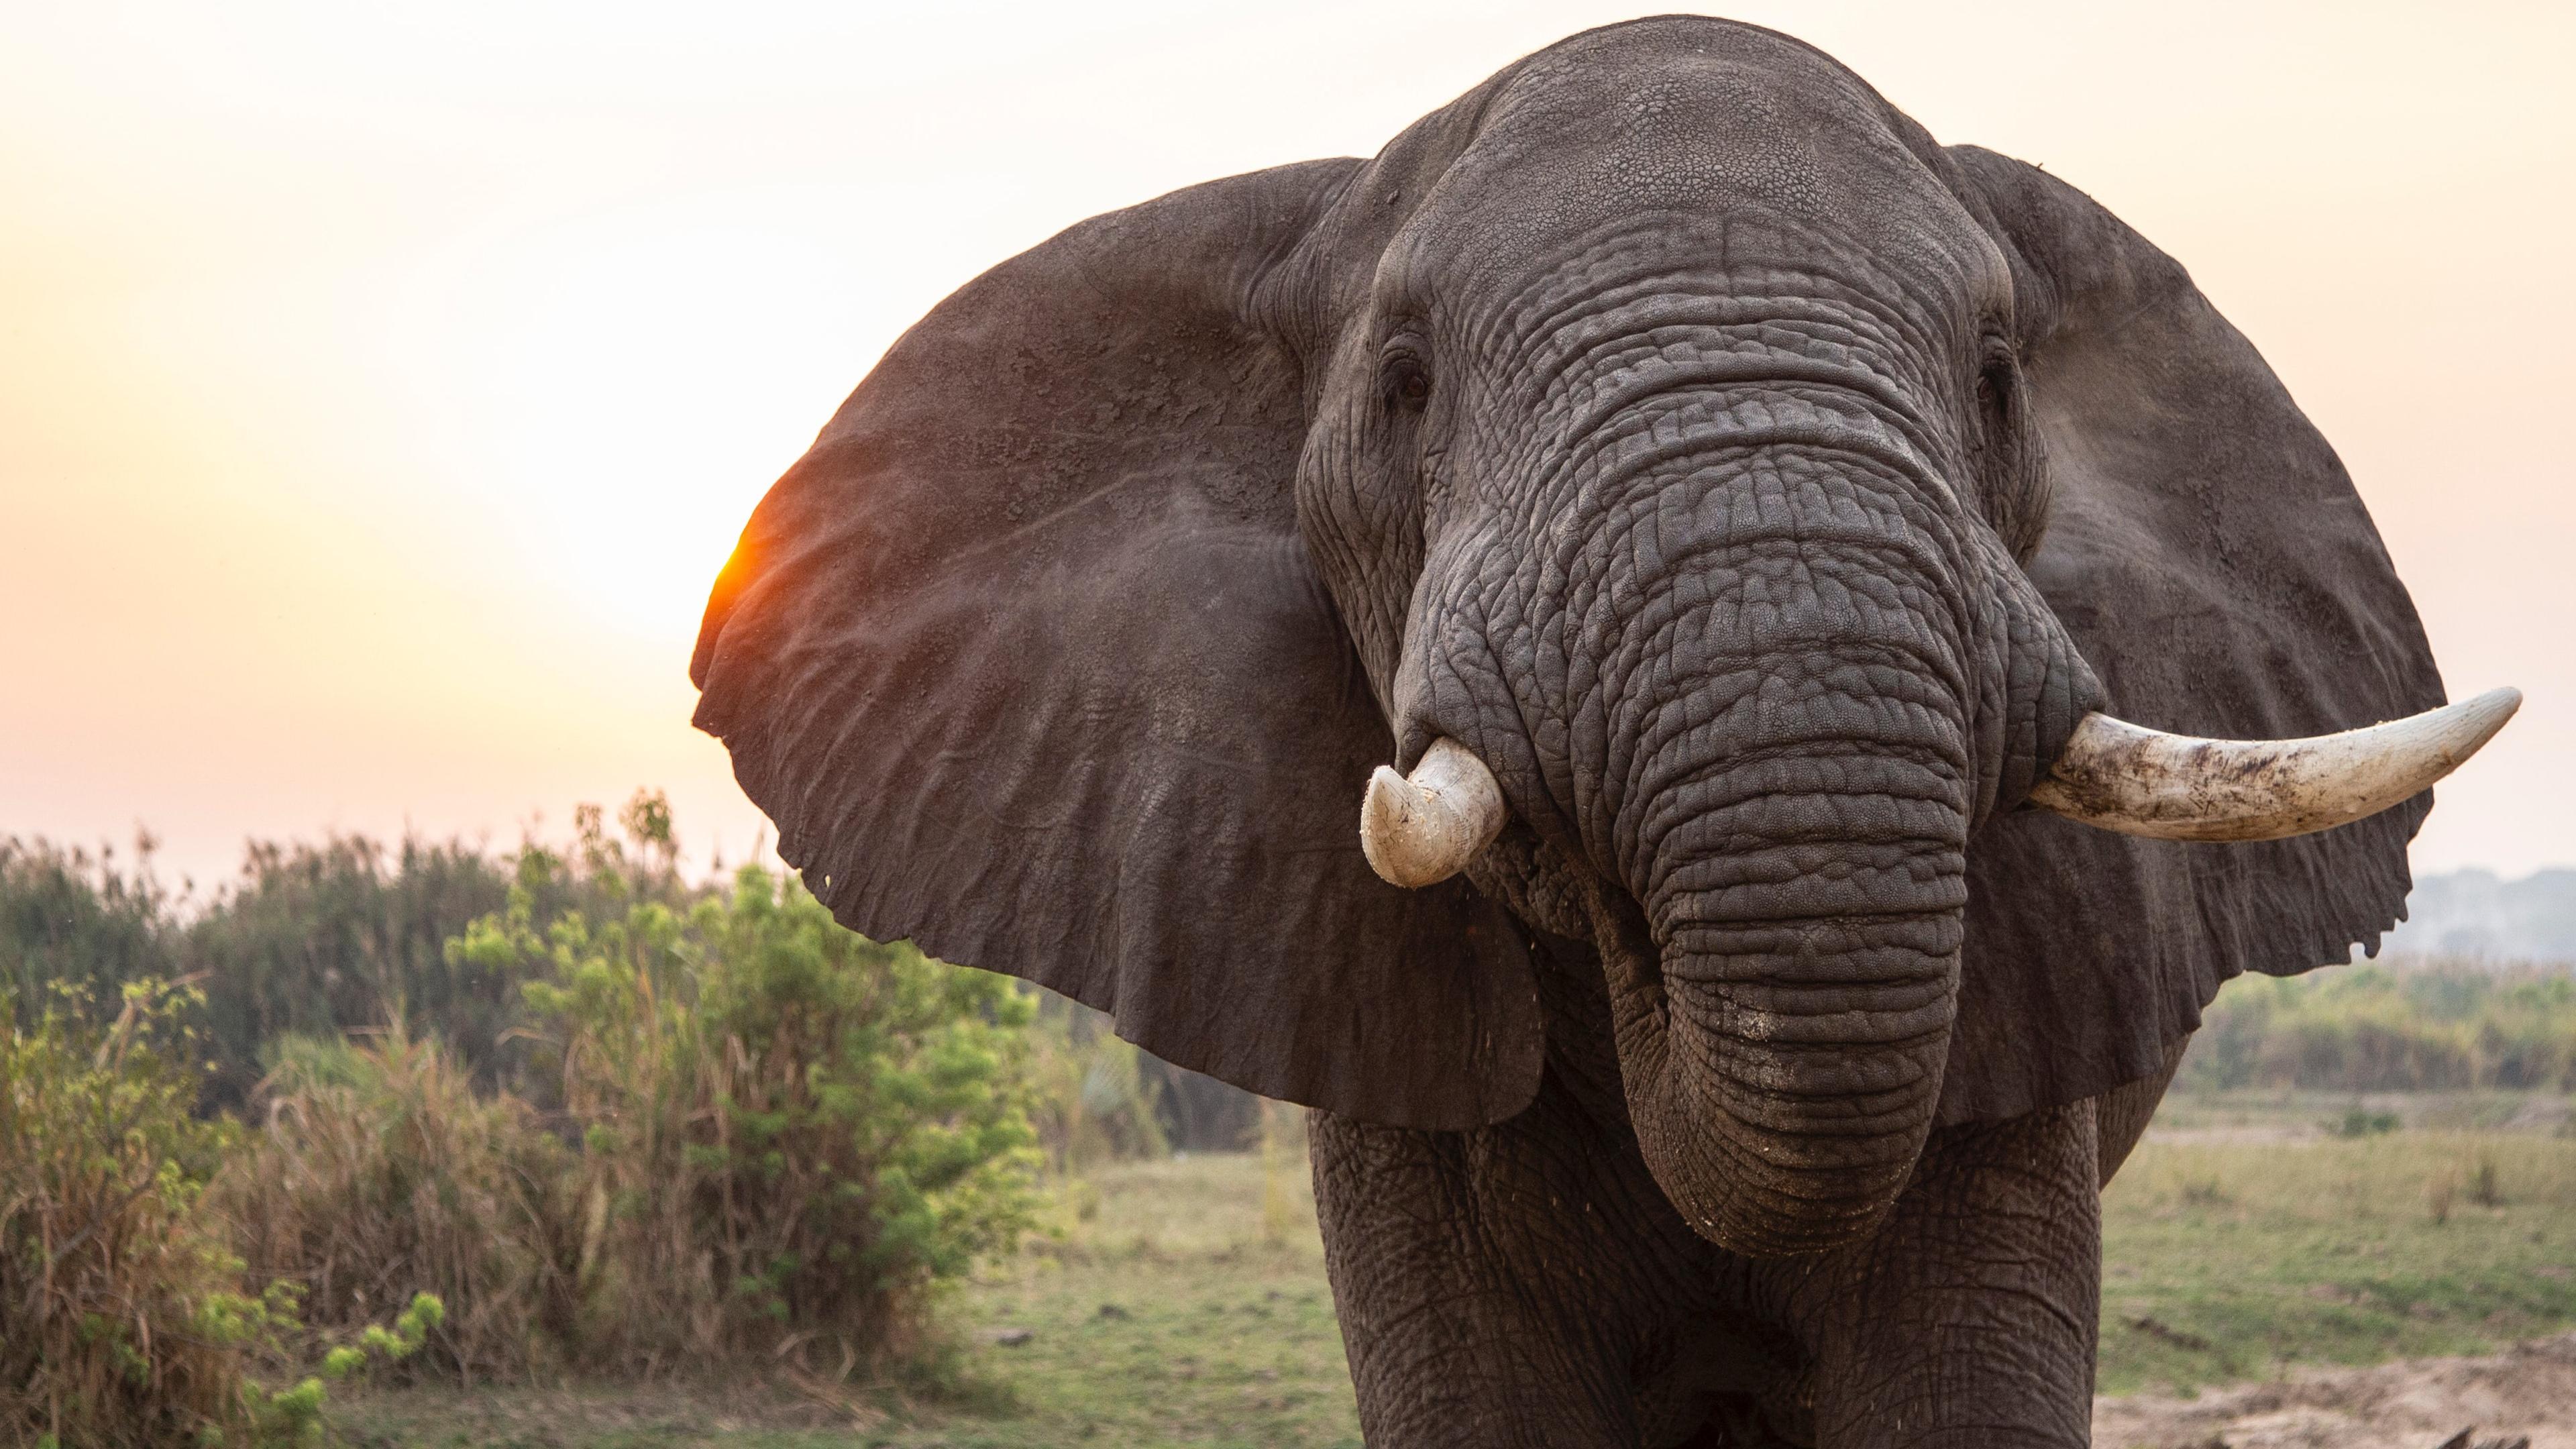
1756 137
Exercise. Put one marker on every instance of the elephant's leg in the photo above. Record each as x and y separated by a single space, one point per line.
1526 1284
1464 1327
1971 1318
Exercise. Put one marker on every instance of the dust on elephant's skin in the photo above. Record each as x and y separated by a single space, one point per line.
1763 492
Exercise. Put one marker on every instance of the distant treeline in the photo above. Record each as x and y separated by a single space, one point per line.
2422 1026
311 940
351 936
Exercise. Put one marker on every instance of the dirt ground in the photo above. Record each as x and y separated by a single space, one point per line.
2411 1404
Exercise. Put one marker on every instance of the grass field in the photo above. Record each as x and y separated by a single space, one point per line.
1186 1303
2225 1259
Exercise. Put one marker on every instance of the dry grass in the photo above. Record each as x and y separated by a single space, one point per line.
380 1174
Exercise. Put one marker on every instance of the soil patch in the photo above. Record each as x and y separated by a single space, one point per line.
2412 1404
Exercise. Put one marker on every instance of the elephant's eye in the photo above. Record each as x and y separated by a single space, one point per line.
1408 383
1996 379
1997 398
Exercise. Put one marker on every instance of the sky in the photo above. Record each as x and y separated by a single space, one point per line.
382 386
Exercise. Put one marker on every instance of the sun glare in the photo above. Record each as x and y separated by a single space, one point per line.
624 386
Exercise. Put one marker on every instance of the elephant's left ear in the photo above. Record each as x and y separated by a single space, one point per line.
1026 660
2209 557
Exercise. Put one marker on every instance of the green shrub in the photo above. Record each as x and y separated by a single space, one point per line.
2360 1121
308 940
316 940
789 1132
759 1132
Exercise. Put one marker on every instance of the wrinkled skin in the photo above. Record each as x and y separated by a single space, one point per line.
1763 493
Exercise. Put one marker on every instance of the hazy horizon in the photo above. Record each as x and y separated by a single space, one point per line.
379 392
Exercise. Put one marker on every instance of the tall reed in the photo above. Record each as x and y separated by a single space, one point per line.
378 1174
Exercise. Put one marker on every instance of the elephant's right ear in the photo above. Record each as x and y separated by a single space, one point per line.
2209 557
1027 662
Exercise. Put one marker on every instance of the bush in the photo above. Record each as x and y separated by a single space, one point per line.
308 940
789 1132
764 1135
2360 1121
122 1319
2483 1188
318 940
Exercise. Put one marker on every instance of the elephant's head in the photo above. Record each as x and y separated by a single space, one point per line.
1734 510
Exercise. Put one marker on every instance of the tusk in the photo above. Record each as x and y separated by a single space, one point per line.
1422 830
2174 787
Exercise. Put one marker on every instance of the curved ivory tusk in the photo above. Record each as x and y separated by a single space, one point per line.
1421 830
2174 787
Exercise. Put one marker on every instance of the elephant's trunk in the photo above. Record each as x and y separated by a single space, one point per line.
1783 1000
1780 1098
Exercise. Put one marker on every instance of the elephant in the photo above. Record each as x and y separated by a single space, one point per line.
1698 529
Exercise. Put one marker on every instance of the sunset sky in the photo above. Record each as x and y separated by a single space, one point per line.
381 386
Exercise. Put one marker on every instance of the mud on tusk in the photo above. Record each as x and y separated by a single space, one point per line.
2138 781
1420 830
